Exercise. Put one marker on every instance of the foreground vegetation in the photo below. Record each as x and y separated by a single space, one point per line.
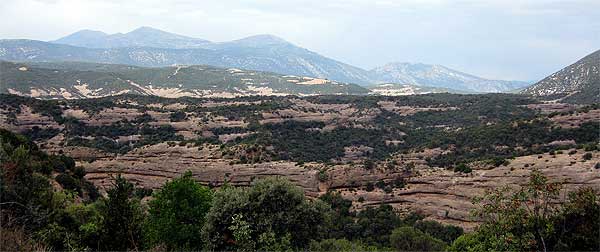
270 215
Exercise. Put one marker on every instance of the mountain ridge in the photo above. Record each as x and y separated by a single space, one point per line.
143 36
576 83
441 77
279 59
263 52
71 80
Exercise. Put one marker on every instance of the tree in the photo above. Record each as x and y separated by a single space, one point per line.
411 239
376 224
462 168
577 228
229 206
342 225
176 214
272 213
473 242
31 207
341 245
177 116
446 233
518 220
122 222
529 219
25 194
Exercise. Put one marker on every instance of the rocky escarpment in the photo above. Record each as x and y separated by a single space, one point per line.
441 194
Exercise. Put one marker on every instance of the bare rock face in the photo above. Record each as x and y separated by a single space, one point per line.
152 166
440 194
446 196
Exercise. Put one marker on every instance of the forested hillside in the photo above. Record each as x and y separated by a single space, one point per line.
89 80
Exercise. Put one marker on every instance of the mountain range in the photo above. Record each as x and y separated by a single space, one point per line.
440 77
576 83
141 37
150 47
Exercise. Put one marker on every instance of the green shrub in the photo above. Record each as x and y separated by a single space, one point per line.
446 233
369 164
340 245
177 116
375 224
369 187
323 176
68 182
510 224
462 168
399 182
78 172
271 213
380 184
411 239
176 214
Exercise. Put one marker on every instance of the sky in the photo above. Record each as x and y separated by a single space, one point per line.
498 39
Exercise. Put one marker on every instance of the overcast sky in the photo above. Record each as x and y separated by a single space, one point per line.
503 39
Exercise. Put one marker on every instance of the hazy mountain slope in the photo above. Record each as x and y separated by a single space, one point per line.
441 77
141 37
281 58
151 47
577 83
394 89
261 52
86 80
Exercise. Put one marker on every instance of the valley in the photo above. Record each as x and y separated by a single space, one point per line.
147 140
403 151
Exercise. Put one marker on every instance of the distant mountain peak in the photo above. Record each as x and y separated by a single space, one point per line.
148 30
143 36
83 34
268 37
261 40
145 28
89 31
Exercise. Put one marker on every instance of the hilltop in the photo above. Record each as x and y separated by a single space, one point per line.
91 80
576 83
